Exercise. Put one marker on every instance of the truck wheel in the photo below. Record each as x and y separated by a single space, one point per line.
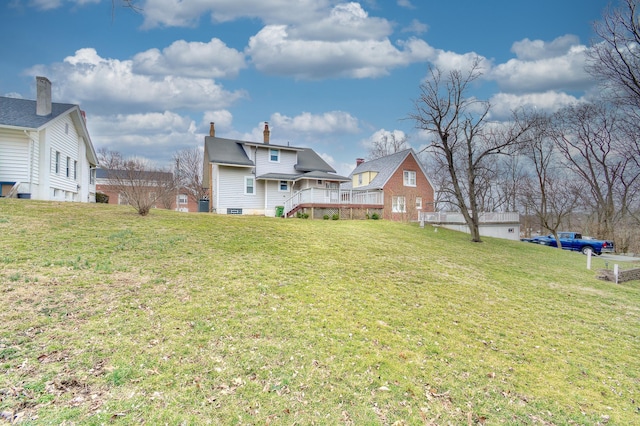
586 249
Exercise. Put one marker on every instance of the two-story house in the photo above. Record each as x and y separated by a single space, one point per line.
260 178
401 179
45 149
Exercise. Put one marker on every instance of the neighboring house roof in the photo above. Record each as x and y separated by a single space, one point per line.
385 167
21 114
231 152
135 174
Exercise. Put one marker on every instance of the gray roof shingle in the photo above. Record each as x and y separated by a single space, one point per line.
22 113
226 151
384 166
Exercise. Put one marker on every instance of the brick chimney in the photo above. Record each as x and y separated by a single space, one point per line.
43 100
212 129
266 132
359 161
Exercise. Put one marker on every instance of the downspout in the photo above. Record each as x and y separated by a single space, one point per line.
31 143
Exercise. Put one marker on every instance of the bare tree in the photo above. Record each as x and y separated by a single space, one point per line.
594 147
188 172
616 58
137 181
548 191
388 143
464 139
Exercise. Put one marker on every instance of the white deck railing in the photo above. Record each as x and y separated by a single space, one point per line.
333 196
454 217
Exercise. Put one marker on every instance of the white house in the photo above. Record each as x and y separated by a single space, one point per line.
259 178
45 149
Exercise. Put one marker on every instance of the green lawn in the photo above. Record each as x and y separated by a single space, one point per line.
112 318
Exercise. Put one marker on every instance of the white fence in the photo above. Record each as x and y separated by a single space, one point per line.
333 196
454 217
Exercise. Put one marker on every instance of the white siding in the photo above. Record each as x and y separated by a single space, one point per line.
64 138
14 156
231 190
288 160
275 197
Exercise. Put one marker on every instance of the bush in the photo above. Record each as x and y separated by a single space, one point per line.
375 216
335 216
301 215
102 198
325 217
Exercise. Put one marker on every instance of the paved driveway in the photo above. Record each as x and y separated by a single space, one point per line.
618 257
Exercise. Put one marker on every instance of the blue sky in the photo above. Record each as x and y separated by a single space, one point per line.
325 74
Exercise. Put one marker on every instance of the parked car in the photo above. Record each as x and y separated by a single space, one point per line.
576 242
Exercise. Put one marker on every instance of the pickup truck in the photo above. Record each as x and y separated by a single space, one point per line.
576 242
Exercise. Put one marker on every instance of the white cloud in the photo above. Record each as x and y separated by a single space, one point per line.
101 83
448 61
273 51
223 120
181 13
380 134
347 21
502 104
540 66
154 136
191 59
325 124
406 3
416 27
531 50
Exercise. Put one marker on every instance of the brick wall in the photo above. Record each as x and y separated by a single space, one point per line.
395 187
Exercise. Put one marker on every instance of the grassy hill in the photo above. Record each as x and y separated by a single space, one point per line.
109 317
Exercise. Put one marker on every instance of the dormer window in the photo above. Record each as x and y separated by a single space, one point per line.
274 155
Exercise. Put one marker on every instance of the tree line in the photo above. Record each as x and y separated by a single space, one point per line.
580 162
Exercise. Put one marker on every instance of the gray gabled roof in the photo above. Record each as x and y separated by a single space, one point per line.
21 113
384 166
277 176
323 175
226 151
231 152
309 160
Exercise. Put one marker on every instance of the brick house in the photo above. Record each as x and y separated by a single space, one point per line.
401 178
179 200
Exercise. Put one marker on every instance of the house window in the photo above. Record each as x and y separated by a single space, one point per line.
418 203
75 170
57 166
320 182
284 186
360 179
92 176
68 167
122 199
182 199
249 185
274 155
398 205
409 178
